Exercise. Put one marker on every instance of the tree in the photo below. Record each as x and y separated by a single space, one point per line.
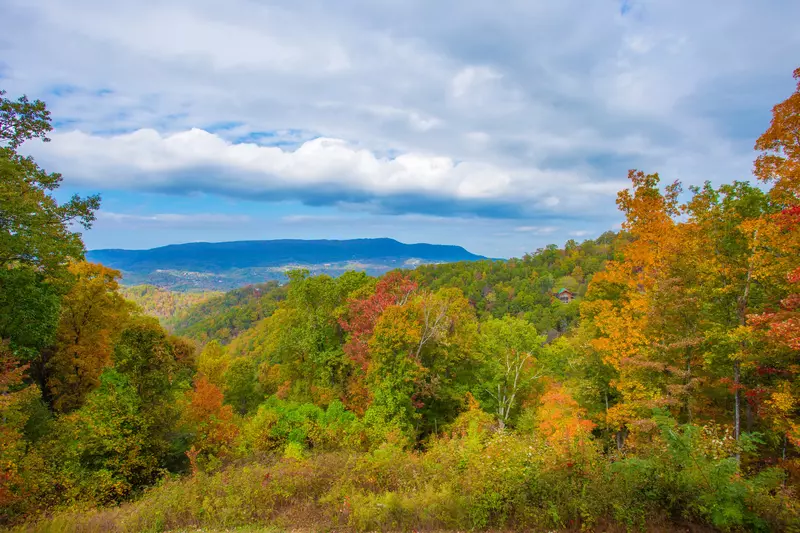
209 421
779 160
562 422
510 348
778 257
619 301
34 227
111 445
727 268
29 311
146 355
212 363
242 389
93 314
14 396
421 357
359 322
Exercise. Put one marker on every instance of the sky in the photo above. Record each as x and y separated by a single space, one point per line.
499 126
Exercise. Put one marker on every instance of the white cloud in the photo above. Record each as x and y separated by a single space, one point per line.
537 230
199 161
172 219
471 78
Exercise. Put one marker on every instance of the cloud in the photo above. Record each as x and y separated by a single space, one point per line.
537 230
172 219
320 171
471 78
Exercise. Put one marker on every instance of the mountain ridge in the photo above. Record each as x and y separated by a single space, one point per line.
230 264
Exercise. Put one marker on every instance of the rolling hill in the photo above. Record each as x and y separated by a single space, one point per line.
227 265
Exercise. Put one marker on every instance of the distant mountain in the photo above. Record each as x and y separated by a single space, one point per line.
226 265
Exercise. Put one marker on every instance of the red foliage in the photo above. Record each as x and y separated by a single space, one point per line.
363 314
213 420
393 289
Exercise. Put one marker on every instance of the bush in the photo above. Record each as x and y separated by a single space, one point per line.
278 422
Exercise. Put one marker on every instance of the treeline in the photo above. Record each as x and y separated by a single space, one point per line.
435 399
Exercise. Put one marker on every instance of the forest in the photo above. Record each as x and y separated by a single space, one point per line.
462 396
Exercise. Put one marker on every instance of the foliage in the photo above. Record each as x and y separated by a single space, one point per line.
224 316
210 422
165 304
510 347
34 227
92 315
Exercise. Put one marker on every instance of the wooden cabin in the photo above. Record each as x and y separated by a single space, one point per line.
565 296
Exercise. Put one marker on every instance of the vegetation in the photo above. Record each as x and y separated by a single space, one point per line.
449 398
525 287
222 317
162 303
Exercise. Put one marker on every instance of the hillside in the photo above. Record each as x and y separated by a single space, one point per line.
164 304
524 287
227 265
224 316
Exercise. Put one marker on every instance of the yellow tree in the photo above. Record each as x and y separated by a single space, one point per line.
92 315
619 300
213 362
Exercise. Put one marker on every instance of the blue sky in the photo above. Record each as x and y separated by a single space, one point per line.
499 126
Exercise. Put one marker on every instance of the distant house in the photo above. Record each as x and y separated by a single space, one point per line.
565 296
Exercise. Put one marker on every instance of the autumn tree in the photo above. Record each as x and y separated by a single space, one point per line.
778 259
212 363
305 337
14 397
726 269
110 446
779 160
619 301
359 322
93 314
562 422
209 421
37 239
421 353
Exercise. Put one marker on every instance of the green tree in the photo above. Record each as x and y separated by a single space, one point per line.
34 227
511 348
242 389
110 446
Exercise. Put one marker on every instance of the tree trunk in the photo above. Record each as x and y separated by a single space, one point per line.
737 406
620 437
687 402
748 410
